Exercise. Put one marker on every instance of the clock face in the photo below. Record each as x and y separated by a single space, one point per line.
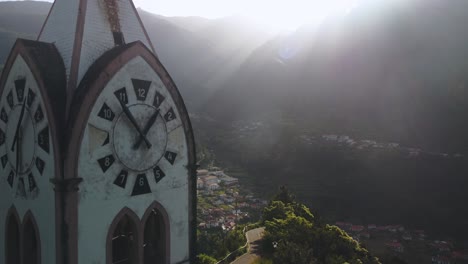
129 133
24 136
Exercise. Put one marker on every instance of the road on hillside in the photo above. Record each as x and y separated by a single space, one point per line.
253 238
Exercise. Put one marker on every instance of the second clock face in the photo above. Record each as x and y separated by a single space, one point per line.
129 133
24 136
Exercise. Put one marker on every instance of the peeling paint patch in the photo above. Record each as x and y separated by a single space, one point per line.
112 14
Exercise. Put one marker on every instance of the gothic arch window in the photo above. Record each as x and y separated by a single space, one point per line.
156 235
12 237
123 239
31 242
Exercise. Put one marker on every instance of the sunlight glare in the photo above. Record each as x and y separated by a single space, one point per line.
278 14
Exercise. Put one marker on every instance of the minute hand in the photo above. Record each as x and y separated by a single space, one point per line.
147 128
133 121
18 126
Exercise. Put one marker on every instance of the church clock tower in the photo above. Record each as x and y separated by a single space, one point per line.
96 147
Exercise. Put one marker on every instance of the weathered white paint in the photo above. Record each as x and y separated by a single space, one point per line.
97 38
43 206
100 200
97 35
60 29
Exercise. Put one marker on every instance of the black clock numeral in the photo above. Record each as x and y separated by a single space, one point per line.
158 174
121 95
4 160
170 115
11 178
2 137
40 164
21 189
158 99
141 88
39 115
43 139
141 185
106 113
121 179
4 116
10 99
30 98
170 156
31 182
106 162
19 85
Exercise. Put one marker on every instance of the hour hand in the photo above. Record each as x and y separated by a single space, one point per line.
148 126
15 139
134 123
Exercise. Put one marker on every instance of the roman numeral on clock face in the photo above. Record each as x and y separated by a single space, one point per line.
141 185
141 88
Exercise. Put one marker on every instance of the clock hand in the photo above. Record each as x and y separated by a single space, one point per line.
134 123
18 125
148 126
18 154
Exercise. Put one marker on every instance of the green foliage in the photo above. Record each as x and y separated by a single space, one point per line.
292 235
218 243
205 259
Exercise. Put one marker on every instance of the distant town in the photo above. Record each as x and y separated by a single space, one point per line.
412 246
221 204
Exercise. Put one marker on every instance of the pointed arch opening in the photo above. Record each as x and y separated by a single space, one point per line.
12 237
155 235
122 239
31 240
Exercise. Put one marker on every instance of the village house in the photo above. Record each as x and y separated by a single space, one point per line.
200 184
202 173
395 246
357 228
441 260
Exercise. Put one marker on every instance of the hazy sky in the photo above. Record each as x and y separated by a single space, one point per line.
277 13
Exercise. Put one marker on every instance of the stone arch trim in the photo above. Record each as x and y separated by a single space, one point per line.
139 232
156 205
29 217
91 85
12 213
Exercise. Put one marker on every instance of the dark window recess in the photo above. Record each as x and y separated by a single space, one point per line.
13 241
154 241
124 242
118 38
30 244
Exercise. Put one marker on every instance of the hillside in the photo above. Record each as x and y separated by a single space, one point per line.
389 72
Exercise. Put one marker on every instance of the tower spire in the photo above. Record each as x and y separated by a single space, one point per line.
82 30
